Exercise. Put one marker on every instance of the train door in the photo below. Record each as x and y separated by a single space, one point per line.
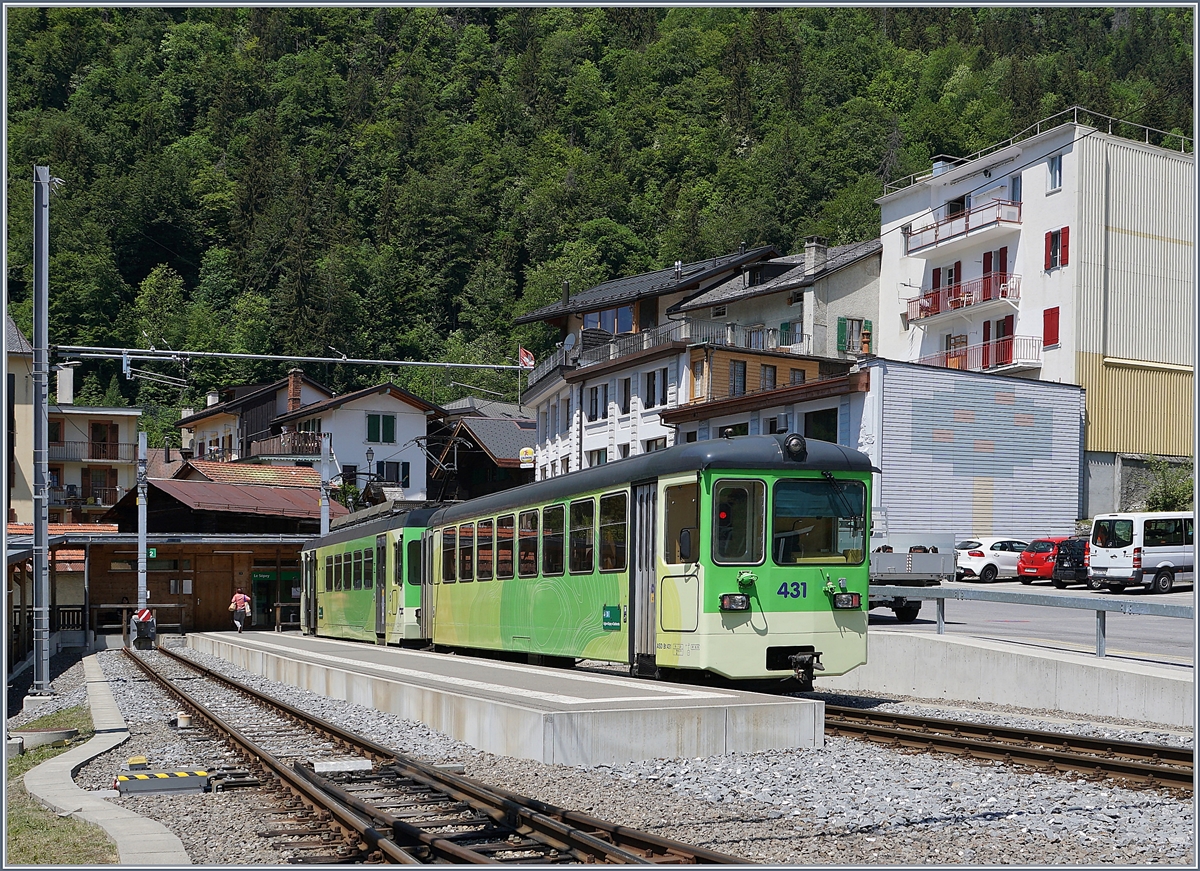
642 579
380 586
427 588
309 604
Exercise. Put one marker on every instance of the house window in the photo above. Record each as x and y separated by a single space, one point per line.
1050 327
566 465
566 415
650 396
1054 178
613 320
54 432
598 403
626 390
1014 189
393 473
796 376
821 425
698 379
776 423
849 337
690 437
554 429
718 311
623 450
350 474
766 379
656 444
381 428
313 425
733 430
958 206
737 377
1057 248
756 337
597 458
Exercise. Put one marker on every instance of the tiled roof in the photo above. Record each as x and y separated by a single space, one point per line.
15 339
648 284
157 465
502 438
62 528
248 498
734 289
476 407
245 398
249 473
387 387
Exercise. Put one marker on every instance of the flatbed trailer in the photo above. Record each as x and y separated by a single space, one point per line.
907 570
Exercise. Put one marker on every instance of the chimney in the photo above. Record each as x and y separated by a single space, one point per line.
943 163
814 254
66 385
678 269
213 397
294 376
166 450
566 292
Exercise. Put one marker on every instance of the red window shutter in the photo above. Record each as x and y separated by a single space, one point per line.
987 331
1047 267
987 262
1050 327
1008 325
937 277
1002 266
958 272
1066 232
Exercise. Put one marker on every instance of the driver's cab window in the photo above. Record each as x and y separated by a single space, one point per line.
682 514
739 508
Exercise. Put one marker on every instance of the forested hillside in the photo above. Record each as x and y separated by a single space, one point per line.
398 183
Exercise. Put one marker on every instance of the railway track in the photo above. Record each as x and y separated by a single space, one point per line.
1149 764
361 802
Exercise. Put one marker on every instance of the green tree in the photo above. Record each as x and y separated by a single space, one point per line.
1172 486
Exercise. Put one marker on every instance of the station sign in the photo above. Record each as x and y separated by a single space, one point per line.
526 456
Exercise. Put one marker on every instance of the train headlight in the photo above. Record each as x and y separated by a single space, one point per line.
796 447
847 601
735 602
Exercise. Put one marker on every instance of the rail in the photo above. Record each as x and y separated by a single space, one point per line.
936 300
1008 351
75 452
1100 604
301 444
961 223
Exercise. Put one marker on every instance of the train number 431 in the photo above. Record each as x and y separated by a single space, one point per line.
794 590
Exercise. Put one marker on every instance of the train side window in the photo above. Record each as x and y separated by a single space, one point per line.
414 562
613 525
504 547
583 536
527 545
449 554
483 551
337 571
368 568
398 561
358 563
466 552
739 509
682 512
329 574
552 540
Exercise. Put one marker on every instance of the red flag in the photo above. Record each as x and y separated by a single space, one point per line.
525 358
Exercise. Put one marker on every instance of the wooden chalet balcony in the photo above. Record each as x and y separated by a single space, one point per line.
78 452
288 444
1012 353
989 288
996 214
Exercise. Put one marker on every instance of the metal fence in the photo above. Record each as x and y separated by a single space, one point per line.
1100 604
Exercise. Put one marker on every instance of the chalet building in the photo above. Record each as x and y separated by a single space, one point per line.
1065 255
482 455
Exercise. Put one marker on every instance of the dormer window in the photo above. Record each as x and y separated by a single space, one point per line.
718 311
612 320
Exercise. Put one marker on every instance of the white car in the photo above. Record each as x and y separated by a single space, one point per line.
988 558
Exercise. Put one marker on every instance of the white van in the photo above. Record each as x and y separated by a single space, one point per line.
1151 549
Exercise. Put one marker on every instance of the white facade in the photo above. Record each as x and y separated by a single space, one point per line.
221 435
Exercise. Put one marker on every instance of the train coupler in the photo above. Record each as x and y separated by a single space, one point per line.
806 664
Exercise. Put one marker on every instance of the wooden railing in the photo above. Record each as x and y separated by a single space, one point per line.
961 223
288 444
993 286
1008 351
77 452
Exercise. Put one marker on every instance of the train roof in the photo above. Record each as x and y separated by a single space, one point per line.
744 452
416 517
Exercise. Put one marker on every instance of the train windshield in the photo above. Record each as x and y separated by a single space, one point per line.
818 522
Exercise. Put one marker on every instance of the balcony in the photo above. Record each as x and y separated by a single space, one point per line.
1010 354
689 331
993 287
288 444
73 496
82 452
216 455
992 219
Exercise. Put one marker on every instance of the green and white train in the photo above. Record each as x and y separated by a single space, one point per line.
744 557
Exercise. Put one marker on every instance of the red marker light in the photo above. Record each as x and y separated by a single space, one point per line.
723 515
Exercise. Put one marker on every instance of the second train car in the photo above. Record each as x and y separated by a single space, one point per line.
742 557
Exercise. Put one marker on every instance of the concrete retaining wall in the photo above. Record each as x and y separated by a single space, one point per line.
970 669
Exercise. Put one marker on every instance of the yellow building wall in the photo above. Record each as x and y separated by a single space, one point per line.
1149 410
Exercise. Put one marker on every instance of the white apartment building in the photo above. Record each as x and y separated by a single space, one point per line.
1065 254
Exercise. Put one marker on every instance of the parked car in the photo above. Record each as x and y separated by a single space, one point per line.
1036 562
1071 564
1149 549
988 558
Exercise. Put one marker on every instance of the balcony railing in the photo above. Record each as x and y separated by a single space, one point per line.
993 286
73 496
305 444
218 455
962 223
1011 351
119 452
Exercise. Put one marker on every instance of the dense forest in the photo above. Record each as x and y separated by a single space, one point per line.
398 183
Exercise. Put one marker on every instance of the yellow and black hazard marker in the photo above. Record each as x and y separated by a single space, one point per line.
162 781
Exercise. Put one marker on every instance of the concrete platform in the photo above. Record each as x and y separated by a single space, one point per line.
963 668
551 715
140 841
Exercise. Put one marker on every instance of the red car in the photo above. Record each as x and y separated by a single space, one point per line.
1036 562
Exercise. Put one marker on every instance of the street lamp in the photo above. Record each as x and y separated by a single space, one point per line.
370 460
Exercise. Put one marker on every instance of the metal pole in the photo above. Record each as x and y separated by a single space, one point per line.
1101 617
941 614
41 376
141 507
324 483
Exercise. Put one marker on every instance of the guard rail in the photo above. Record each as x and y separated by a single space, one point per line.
1100 604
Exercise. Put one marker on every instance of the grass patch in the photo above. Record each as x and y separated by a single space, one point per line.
37 835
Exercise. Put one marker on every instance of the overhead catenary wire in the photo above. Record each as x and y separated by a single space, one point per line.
107 353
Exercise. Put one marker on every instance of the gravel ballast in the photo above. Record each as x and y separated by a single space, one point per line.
851 802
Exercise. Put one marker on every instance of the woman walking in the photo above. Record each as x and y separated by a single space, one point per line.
240 606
